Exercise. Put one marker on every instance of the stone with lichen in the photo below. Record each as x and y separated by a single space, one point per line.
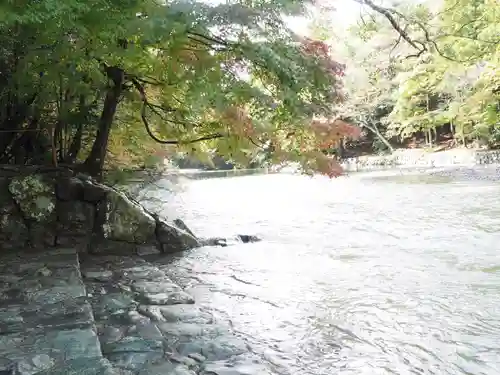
127 220
35 197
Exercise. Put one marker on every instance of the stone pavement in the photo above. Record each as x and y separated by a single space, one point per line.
110 315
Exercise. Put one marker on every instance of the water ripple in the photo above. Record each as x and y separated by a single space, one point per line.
371 274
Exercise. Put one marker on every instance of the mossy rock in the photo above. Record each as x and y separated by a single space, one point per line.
35 197
127 220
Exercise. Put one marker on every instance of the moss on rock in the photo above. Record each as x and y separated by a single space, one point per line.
34 196
127 220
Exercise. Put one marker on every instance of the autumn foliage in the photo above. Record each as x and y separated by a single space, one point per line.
321 51
319 135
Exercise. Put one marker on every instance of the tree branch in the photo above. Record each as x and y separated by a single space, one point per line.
146 104
421 46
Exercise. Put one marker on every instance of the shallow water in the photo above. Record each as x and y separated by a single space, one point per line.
368 274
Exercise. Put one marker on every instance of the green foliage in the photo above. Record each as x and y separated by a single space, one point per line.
452 81
150 75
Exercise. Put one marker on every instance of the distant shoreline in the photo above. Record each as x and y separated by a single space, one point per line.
415 158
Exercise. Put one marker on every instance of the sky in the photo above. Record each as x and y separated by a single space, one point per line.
346 15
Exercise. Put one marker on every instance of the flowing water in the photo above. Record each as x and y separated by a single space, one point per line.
367 274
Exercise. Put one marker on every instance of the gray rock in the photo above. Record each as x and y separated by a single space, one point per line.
112 303
34 196
69 189
197 357
151 287
173 239
143 250
133 344
181 329
84 366
75 218
225 368
174 298
213 349
93 193
245 238
98 275
34 364
111 334
180 224
135 361
136 318
186 361
127 221
151 312
13 231
143 273
166 368
184 313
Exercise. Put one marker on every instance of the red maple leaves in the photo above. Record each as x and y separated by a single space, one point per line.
321 51
322 134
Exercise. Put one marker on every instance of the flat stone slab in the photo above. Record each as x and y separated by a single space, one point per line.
148 324
46 322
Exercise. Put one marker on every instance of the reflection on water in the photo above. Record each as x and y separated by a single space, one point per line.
361 275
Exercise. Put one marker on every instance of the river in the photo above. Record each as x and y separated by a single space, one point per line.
370 274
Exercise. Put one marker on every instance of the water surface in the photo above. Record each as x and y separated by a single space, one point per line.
368 274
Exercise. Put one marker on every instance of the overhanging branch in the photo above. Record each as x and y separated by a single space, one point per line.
146 105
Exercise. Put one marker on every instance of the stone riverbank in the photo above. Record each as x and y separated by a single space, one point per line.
419 158
78 298
75 314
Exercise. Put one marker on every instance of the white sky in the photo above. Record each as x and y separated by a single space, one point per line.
347 12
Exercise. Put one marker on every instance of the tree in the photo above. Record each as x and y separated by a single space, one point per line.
415 70
230 78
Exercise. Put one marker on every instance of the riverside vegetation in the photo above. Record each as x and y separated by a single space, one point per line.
85 86
88 86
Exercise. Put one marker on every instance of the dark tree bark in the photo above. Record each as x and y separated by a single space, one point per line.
75 147
95 161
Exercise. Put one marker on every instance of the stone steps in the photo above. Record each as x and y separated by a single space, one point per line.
46 323
108 315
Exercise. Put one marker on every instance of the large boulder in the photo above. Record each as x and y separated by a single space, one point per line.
47 207
127 220
13 231
42 207
35 198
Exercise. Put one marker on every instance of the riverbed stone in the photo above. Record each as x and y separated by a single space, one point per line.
174 298
184 313
84 366
213 349
166 368
98 275
151 287
173 239
238 367
134 361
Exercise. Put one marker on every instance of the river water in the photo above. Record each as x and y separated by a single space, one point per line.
366 274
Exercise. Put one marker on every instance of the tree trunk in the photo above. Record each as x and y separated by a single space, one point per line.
16 115
374 130
95 161
341 148
75 147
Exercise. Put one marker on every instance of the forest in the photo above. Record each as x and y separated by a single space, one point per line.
406 95
114 84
